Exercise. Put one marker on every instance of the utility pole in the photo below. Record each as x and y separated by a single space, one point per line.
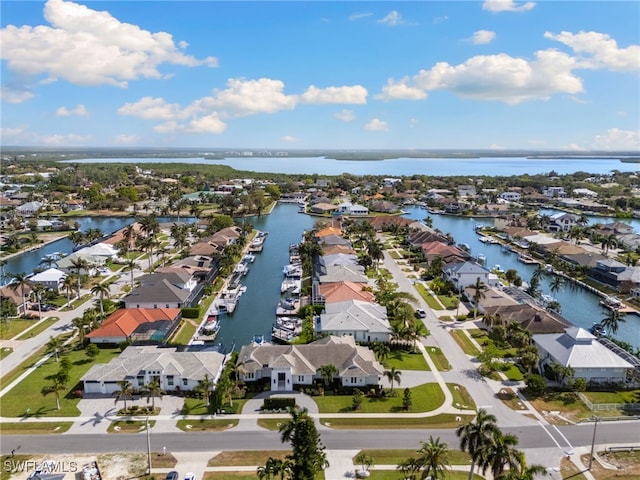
593 440
148 447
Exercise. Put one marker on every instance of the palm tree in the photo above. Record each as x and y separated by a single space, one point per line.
79 264
153 390
101 290
381 351
393 375
478 294
433 457
81 324
287 429
3 262
522 471
611 321
22 282
54 345
476 436
125 393
129 235
130 266
610 241
69 284
204 387
328 372
499 454
58 384
365 460
38 290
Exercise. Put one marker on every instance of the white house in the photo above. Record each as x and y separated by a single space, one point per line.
288 366
29 208
140 365
352 209
578 349
511 196
51 278
562 222
553 192
364 321
465 274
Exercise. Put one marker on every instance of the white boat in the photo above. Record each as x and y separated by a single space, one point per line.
292 270
482 259
611 303
241 268
498 268
249 258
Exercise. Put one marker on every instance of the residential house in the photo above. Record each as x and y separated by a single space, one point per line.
511 196
29 209
383 222
383 206
554 192
73 205
530 317
580 350
465 274
291 366
333 249
348 208
343 273
343 291
364 321
334 239
562 222
14 295
51 278
466 191
176 370
137 325
162 294
608 271
449 253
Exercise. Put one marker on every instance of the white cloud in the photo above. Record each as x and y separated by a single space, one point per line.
359 15
126 139
80 111
55 140
495 146
413 122
600 50
377 125
576 148
207 124
290 139
616 139
482 37
345 115
15 95
506 6
400 90
355 94
149 108
7 133
89 47
392 19
442 19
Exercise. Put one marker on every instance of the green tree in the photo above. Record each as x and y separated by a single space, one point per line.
393 375
476 436
500 454
21 282
522 471
478 294
124 393
92 351
612 320
308 456
328 372
407 403
55 345
101 290
433 459
204 388
78 264
58 384
364 460
153 390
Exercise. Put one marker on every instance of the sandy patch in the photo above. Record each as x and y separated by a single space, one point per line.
113 466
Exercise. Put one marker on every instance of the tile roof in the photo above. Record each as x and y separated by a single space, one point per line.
123 322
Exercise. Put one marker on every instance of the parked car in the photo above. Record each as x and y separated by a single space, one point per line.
420 313
172 475
190 476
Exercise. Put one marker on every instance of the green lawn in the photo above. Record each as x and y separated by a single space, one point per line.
204 425
11 328
461 397
449 301
395 255
465 343
129 426
440 360
444 420
33 428
26 395
393 457
39 328
630 396
512 372
427 297
395 475
77 302
197 406
426 397
5 352
404 360
185 332
19 370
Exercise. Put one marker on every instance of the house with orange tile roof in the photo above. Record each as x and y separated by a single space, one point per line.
343 291
147 325
327 231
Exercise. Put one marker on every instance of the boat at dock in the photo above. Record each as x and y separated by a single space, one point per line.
526 259
611 303
229 298
210 328
249 258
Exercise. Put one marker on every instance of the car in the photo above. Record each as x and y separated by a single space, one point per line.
420 313
172 475
190 476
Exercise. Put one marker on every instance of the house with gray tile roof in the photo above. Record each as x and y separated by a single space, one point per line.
157 295
364 321
141 364
291 366
580 350
343 273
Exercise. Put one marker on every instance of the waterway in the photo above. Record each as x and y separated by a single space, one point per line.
444 167
579 306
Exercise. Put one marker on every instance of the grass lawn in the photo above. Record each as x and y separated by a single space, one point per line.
629 396
204 425
427 297
39 328
5 352
512 372
568 403
510 399
405 360
11 328
271 423
628 464
449 301
197 406
234 458
426 397
27 393
395 255
8 471
77 302
465 343
19 370
129 426
393 457
33 428
461 397
395 475
441 362
185 332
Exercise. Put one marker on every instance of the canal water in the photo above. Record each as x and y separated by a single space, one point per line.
579 306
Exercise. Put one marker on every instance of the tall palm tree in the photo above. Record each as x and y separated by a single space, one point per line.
522 471
612 320
433 457
478 294
69 285
287 428
328 372
476 436
38 290
204 387
153 390
22 282
393 375
101 290
81 324
125 393
78 264
54 345
500 454
556 284
57 385
610 241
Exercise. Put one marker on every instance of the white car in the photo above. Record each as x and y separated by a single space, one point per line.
420 313
190 476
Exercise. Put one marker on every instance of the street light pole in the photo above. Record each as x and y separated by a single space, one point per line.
148 447
593 440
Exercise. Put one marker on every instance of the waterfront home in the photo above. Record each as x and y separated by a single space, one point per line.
203 268
449 253
288 367
364 321
554 192
562 222
158 294
325 261
343 273
322 208
51 278
580 350
511 196
73 205
382 222
341 292
585 258
383 206
618 228
416 239
609 272
176 370
465 274
334 249
324 232
334 240
530 317
29 209
225 236
348 208
137 325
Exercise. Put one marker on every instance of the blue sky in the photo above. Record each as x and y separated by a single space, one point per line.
496 74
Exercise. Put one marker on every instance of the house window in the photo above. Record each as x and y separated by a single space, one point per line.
166 305
170 380
249 375
155 305
354 380
185 382
140 379
300 378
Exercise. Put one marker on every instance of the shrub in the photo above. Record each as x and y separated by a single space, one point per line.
278 403
191 312
535 385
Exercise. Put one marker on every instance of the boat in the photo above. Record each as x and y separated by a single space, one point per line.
498 268
611 303
598 330
526 259
249 258
241 268
292 270
546 298
258 339
292 285
482 259
478 226
211 327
